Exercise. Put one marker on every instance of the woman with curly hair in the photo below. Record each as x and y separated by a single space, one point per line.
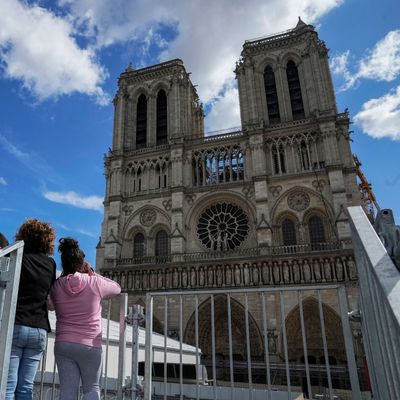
76 297
38 272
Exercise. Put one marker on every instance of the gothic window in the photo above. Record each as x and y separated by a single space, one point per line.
296 100
271 95
223 226
304 155
162 118
141 122
316 230
288 232
279 159
162 245
138 245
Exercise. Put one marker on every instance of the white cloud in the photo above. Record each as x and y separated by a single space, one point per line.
38 48
209 35
381 117
3 182
382 63
225 111
76 200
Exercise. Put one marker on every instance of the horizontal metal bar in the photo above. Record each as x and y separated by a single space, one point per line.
244 290
9 249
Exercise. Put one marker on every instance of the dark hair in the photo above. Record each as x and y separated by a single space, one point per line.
38 236
3 241
72 257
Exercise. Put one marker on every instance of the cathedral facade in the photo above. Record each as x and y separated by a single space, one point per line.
262 205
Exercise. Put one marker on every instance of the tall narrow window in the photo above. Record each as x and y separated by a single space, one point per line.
162 118
288 232
316 230
271 95
304 156
161 248
296 100
138 245
141 122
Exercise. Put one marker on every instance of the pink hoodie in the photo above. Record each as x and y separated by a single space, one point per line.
77 301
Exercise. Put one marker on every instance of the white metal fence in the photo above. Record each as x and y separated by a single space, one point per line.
379 282
10 269
265 376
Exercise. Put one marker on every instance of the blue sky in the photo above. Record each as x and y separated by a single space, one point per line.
60 60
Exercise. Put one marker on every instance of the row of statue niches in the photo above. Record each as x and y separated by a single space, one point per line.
315 270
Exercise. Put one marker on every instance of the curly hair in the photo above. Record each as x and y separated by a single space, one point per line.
3 241
38 236
72 257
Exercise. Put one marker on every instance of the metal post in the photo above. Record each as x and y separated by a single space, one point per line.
303 335
348 343
10 279
328 370
213 348
149 347
180 347
165 345
285 344
105 381
230 345
246 315
123 306
266 349
137 316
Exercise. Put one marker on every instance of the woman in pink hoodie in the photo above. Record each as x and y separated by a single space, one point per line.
76 297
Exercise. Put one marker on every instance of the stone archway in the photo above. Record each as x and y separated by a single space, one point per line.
221 330
333 331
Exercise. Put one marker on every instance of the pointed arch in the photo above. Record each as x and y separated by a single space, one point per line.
162 118
296 99
271 95
141 122
221 326
333 330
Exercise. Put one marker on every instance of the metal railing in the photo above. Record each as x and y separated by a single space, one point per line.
379 282
232 254
266 373
10 270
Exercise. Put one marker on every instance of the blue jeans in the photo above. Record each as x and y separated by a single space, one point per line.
27 348
76 362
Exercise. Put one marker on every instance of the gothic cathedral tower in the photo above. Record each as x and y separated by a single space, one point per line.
264 205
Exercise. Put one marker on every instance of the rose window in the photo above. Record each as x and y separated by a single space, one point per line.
223 226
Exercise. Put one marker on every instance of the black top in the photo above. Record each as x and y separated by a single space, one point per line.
38 272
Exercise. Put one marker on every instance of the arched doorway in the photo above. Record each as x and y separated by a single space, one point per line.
238 327
315 350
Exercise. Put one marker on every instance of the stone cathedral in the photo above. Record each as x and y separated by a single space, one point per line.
259 205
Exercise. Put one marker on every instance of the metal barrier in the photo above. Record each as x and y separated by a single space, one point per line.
10 270
379 305
262 376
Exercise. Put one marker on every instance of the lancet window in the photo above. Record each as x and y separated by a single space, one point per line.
279 159
288 232
218 165
316 230
296 99
271 95
162 118
147 176
141 122
294 153
139 245
161 244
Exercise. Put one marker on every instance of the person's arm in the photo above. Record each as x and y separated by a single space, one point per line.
107 287
50 304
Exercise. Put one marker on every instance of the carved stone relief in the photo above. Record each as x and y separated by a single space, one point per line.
148 217
298 201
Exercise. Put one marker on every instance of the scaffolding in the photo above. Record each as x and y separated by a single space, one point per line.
368 199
